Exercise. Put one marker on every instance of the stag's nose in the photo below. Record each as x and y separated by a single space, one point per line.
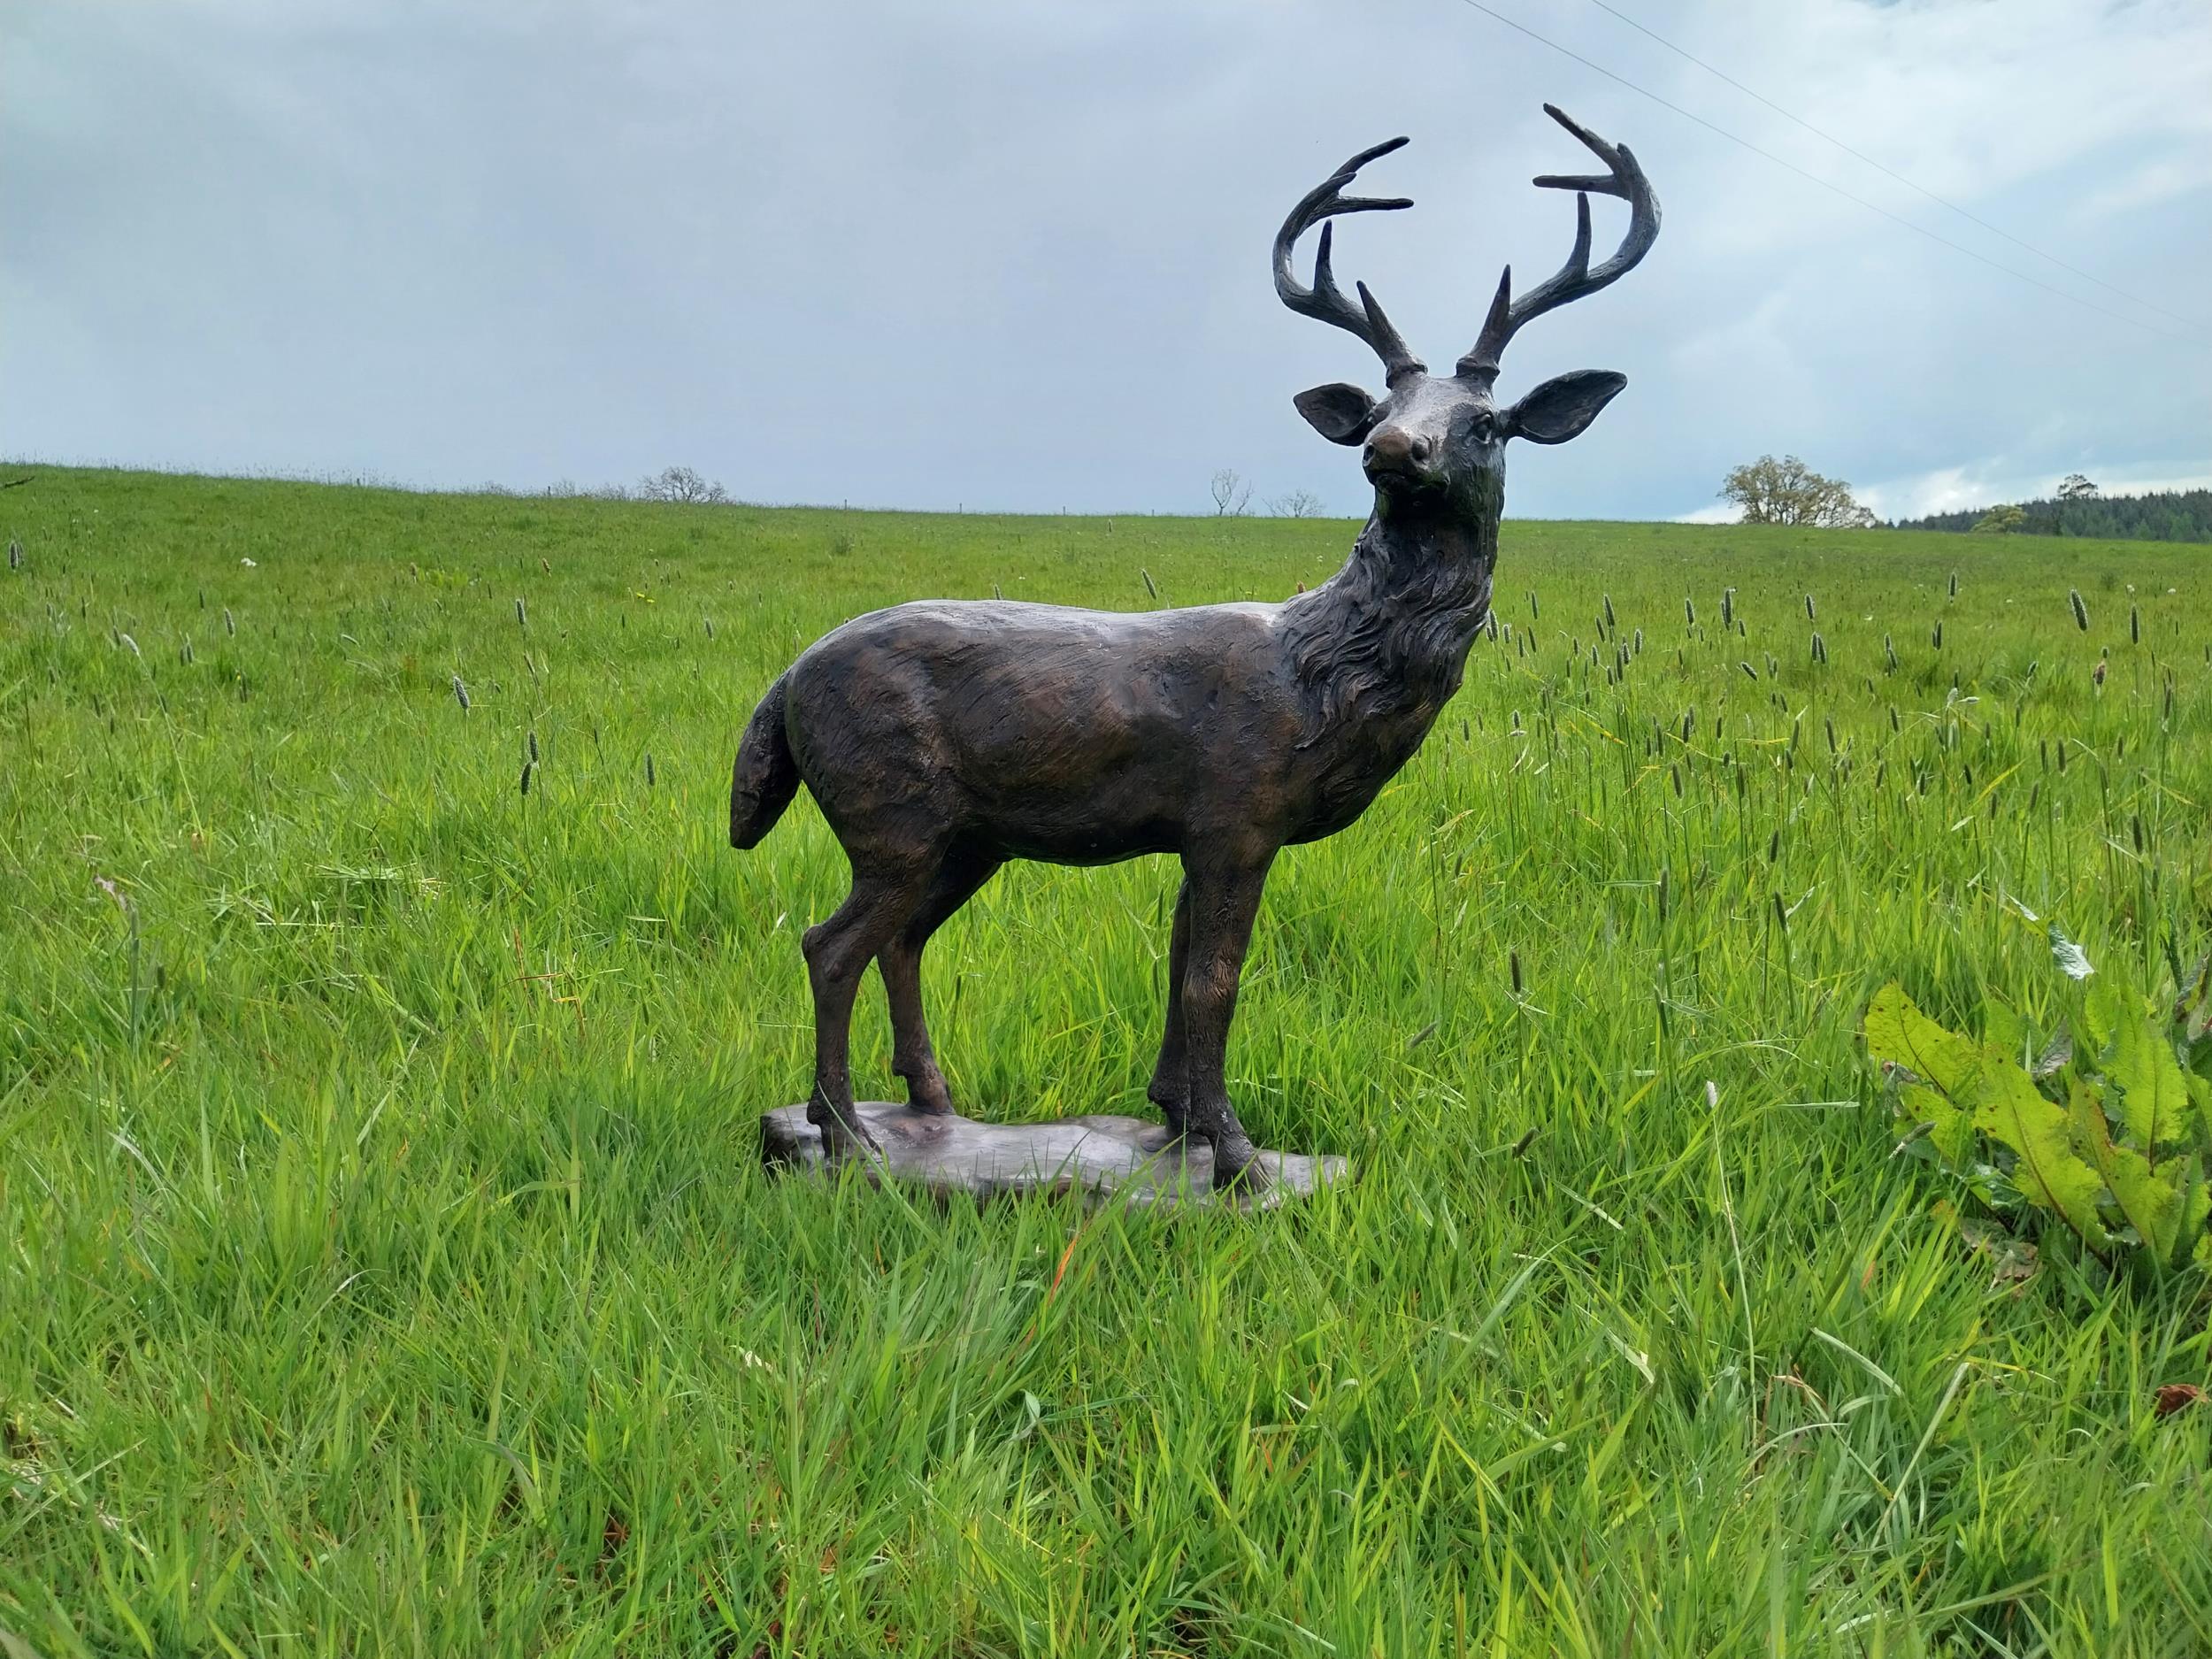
1396 449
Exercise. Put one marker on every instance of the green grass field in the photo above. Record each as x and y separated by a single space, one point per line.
388 1267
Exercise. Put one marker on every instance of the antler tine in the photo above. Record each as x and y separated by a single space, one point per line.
1623 178
1325 302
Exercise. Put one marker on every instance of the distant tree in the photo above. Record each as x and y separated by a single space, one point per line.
2001 521
1789 492
2076 487
1232 493
1300 504
681 485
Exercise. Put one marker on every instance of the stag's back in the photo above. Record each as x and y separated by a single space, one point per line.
1043 731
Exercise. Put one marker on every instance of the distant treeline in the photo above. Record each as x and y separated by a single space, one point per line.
2184 515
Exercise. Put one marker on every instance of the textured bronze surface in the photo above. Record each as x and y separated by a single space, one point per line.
943 738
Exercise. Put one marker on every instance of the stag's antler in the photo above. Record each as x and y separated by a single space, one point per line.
1324 300
1624 179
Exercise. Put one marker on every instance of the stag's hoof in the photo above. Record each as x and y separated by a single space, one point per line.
1240 1166
928 1093
843 1141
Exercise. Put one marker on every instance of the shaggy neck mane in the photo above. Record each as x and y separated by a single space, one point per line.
1388 633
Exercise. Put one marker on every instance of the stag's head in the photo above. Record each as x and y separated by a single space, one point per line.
1441 438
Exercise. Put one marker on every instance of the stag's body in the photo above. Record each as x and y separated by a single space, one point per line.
943 738
1082 737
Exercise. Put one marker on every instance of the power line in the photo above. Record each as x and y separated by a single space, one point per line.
1871 207
1889 172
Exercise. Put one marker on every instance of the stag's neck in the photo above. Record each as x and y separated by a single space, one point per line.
1385 639
1418 569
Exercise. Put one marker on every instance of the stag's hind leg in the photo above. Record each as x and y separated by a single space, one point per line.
838 952
899 962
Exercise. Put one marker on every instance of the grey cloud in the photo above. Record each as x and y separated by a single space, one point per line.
1014 256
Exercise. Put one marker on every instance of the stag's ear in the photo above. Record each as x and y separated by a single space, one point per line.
1561 408
1340 413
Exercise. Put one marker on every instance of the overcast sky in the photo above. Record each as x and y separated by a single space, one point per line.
1015 256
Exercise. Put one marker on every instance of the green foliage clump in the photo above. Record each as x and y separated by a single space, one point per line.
2116 1147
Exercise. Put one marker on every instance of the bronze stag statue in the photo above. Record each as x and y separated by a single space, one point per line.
942 738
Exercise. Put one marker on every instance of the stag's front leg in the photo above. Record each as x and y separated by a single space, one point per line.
1170 1078
1223 899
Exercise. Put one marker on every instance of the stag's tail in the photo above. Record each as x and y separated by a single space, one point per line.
766 777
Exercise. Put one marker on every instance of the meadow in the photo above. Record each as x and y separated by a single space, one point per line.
384 1020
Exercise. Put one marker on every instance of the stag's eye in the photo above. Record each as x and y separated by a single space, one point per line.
1484 426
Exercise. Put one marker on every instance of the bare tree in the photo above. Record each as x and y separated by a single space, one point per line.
681 485
1300 504
1789 492
1232 493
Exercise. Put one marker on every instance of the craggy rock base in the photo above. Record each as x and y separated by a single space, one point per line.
1100 1156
